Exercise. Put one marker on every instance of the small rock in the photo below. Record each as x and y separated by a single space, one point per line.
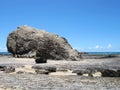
51 69
41 71
110 73
40 60
20 72
2 68
9 69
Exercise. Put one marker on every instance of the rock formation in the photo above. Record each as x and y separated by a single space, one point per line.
30 42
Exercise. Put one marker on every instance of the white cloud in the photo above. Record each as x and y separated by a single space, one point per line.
109 46
95 48
3 49
98 47
78 48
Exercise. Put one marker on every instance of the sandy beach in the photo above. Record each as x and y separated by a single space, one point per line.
60 45
25 77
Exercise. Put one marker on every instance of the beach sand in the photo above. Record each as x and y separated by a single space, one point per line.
63 78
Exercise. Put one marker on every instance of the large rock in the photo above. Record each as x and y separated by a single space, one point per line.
27 41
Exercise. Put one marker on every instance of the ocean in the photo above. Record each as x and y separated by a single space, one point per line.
104 53
98 53
5 53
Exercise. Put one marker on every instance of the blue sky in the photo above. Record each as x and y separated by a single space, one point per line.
88 25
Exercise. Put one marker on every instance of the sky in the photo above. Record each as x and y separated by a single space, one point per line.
88 25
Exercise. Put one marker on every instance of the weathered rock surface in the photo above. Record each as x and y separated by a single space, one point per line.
7 69
26 41
111 73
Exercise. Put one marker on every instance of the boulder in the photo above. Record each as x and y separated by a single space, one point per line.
27 41
110 73
40 60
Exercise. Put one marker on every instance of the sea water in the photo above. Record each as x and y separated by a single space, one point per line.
104 53
5 53
98 53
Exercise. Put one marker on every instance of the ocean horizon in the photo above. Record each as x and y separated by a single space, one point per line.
5 53
104 53
98 53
